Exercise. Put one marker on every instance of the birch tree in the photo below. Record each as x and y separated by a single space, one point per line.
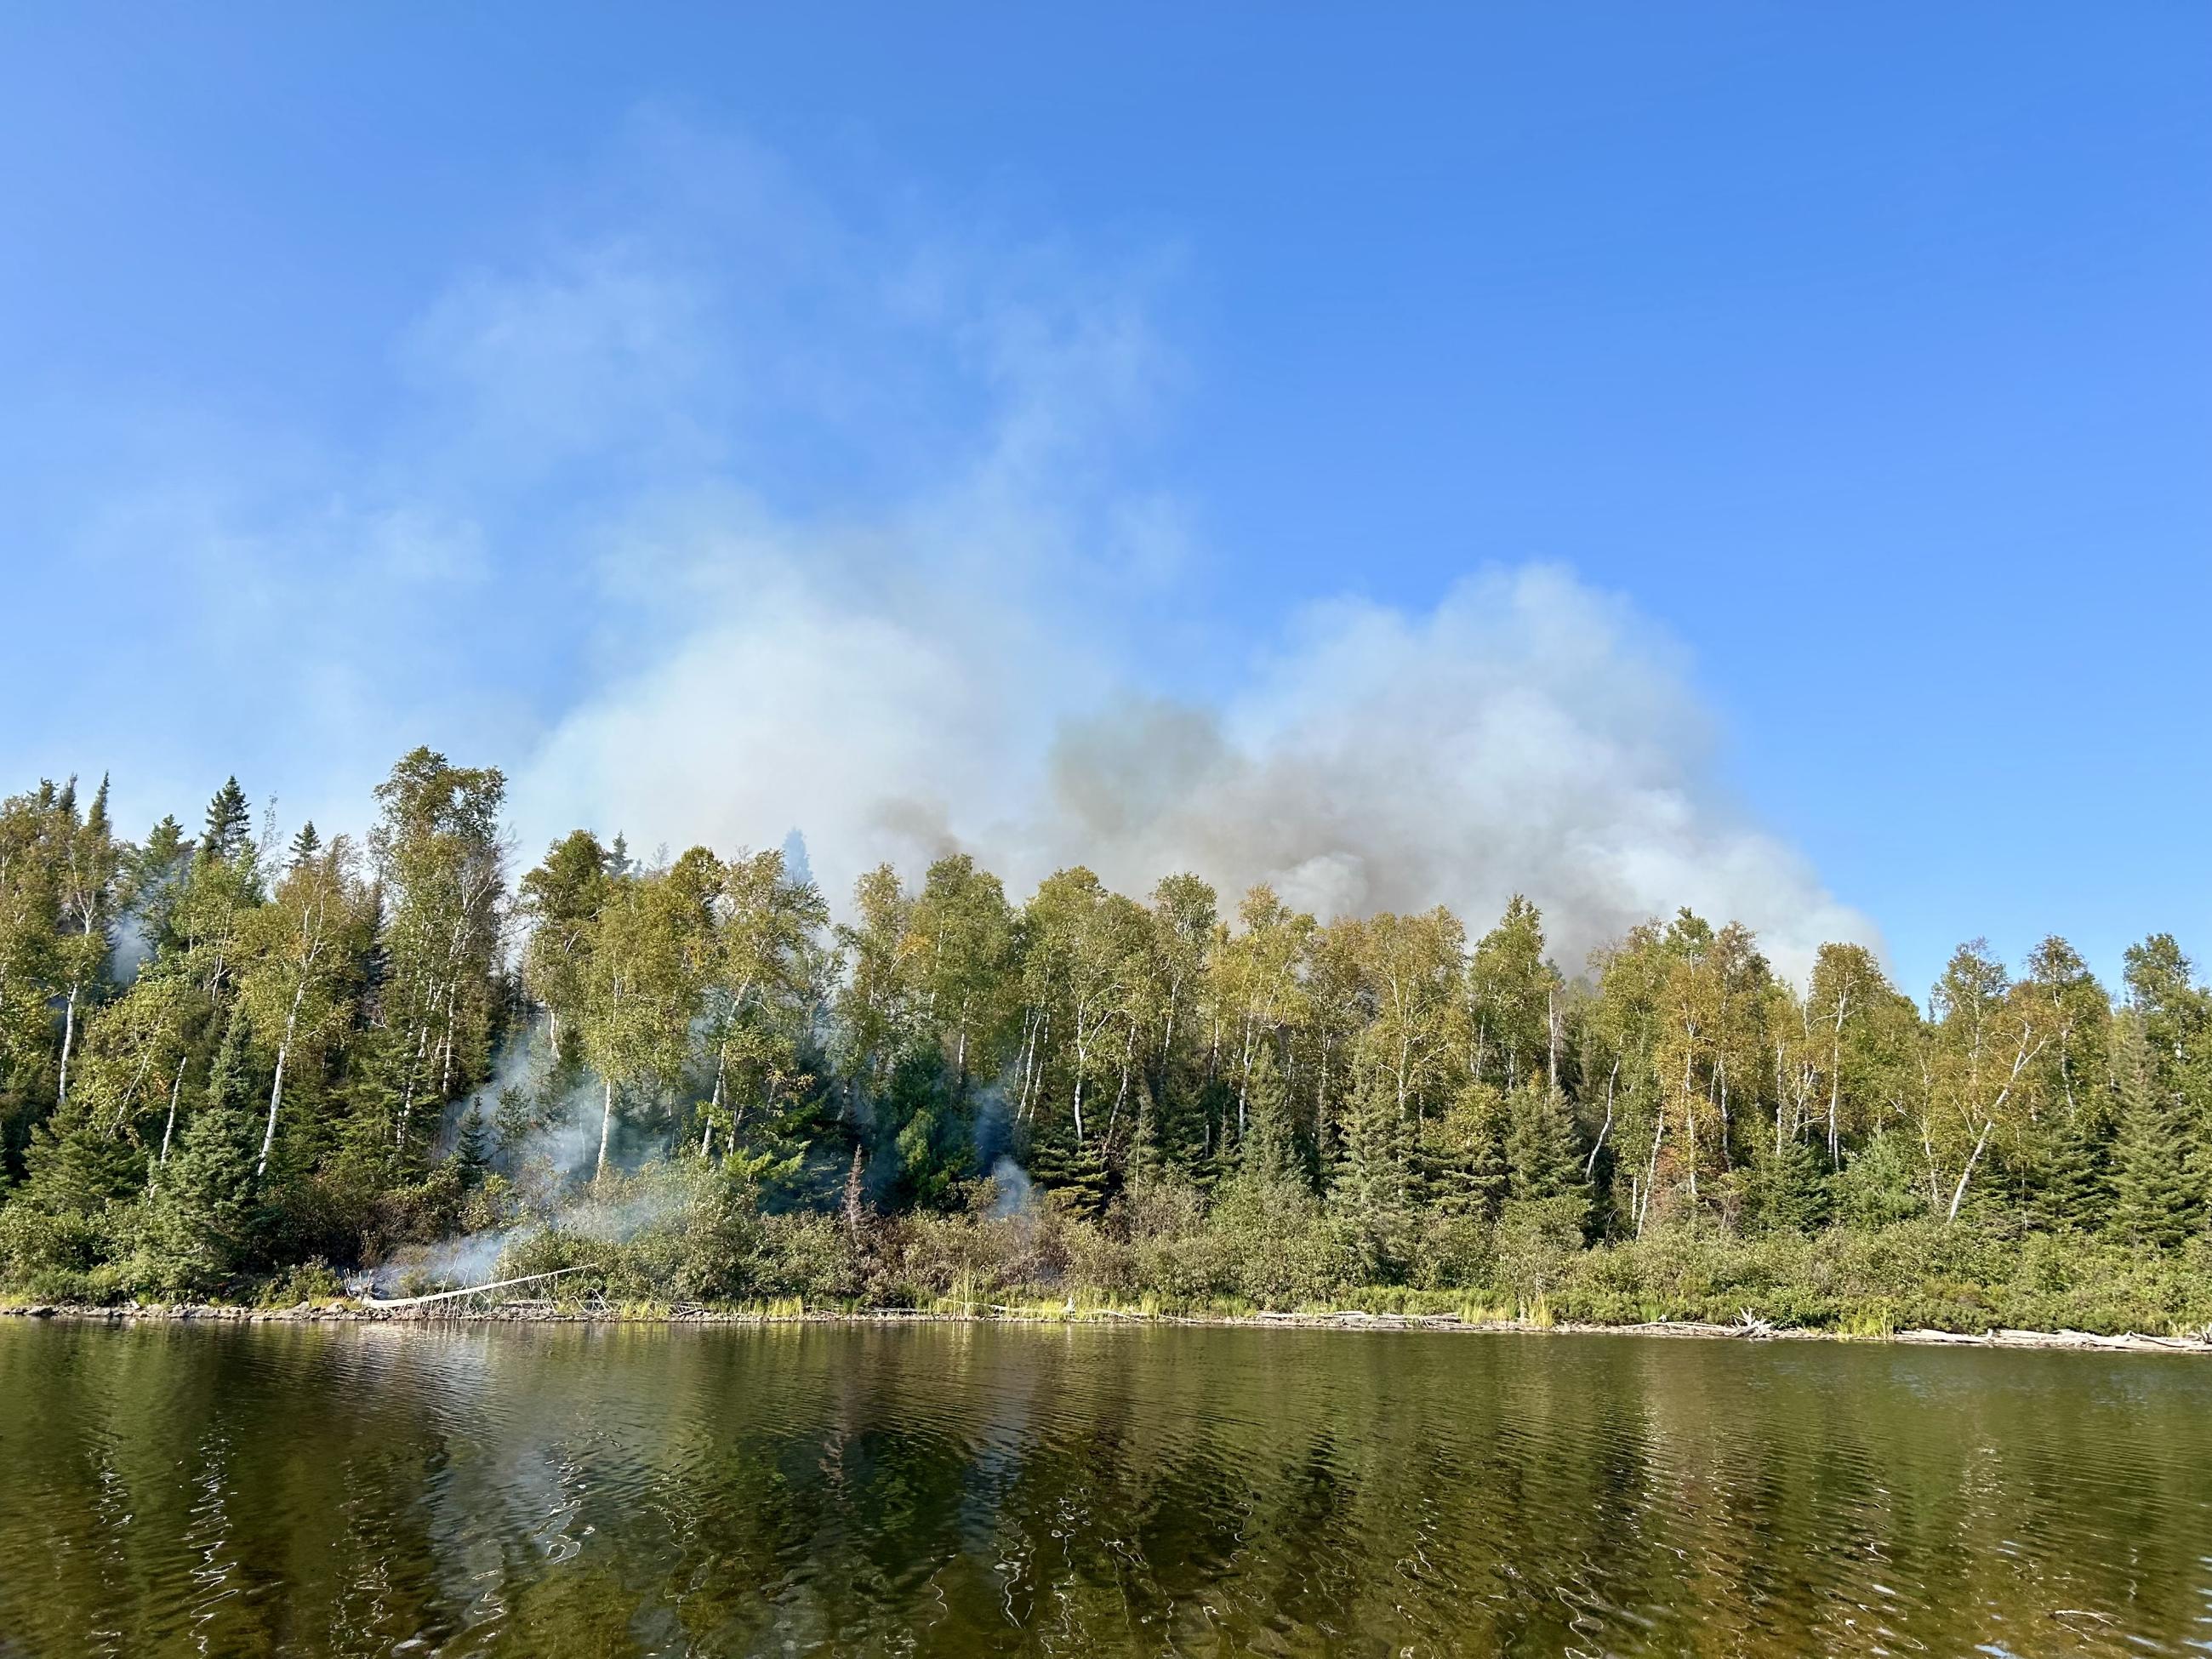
442 867
640 991
1985 1038
292 989
758 975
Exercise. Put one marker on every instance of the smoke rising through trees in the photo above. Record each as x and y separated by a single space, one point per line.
222 1063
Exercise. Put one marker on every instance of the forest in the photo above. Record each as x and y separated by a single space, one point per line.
246 1067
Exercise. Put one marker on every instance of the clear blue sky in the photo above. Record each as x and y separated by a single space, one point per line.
1867 350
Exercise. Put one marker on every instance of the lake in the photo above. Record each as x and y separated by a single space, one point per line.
973 1489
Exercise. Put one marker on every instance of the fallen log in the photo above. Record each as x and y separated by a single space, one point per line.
375 1301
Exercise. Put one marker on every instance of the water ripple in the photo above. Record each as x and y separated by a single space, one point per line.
971 1490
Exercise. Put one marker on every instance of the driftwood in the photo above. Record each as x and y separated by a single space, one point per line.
444 1295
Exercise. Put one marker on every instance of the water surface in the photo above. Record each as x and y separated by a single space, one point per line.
974 1490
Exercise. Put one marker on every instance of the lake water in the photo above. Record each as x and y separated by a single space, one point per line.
972 1490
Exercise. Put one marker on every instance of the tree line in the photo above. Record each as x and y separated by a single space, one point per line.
221 1053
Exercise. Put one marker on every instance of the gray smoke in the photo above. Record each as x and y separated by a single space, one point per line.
1012 1195
982 644
1527 734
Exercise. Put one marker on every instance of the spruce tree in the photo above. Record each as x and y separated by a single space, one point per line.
200 1219
1268 1154
1370 1178
1543 1153
1076 1175
229 820
2073 1190
1466 1173
306 844
472 1149
2154 1202
1145 1161
1544 1157
1788 1187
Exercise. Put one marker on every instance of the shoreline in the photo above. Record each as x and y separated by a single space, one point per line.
528 1313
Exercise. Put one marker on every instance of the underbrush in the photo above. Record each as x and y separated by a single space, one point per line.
691 1236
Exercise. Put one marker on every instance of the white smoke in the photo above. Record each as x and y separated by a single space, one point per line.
847 521
963 654
1012 1193
1527 734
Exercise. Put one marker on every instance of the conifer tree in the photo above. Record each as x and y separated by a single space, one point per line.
1369 1180
229 822
1268 1154
472 1149
200 1218
2153 1204
1543 1153
1467 1174
1789 1187
1074 1171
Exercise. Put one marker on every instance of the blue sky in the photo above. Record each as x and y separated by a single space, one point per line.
1029 394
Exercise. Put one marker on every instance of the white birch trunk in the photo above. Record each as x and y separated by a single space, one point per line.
606 1123
277 1086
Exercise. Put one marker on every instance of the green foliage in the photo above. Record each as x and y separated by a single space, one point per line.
1073 1171
1787 1188
2156 1203
472 1150
1467 1174
197 1230
1222 1104
1543 1153
1882 1183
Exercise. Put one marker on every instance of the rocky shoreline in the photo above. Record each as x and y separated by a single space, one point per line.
540 1312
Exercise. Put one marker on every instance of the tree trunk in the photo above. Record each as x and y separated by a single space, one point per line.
69 1039
1078 1092
407 1100
606 1121
446 1073
1835 1077
169 1127
1959 1192
1591 1168
1114 1118
1652 1174
277 1086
